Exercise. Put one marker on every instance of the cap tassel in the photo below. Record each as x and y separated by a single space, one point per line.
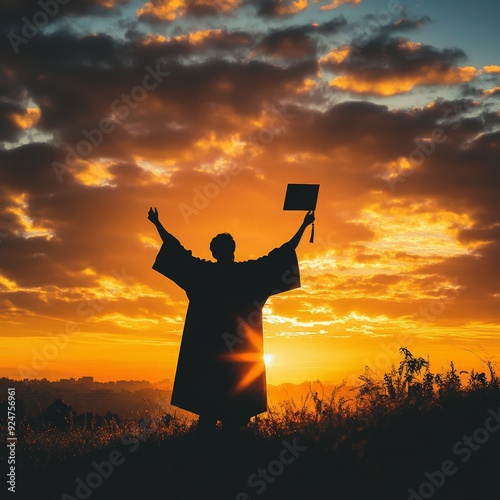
311 240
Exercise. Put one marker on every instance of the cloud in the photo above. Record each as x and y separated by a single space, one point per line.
404 25
399 85
14 14
296 42
10 114
493 92
27 118
494 68
280 8
170 10
334 4
390 66
291 43
257 96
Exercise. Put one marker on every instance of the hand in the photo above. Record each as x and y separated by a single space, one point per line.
153 215
309 218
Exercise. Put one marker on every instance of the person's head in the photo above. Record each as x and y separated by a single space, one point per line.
222 247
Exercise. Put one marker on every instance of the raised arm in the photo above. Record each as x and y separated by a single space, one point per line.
164 234
308 219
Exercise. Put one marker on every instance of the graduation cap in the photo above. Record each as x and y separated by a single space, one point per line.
302 197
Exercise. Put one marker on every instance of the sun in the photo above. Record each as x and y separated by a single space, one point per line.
268 359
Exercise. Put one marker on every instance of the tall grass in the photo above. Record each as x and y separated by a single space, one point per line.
329 419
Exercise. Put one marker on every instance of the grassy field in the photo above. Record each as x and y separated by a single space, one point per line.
411 434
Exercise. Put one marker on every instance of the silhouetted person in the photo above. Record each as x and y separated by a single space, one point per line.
220 372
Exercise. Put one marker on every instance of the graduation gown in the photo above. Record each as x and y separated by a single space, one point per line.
220 370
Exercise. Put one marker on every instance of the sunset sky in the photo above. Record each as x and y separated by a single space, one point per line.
109 107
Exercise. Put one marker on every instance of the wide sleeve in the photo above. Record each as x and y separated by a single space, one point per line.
176 263
278 271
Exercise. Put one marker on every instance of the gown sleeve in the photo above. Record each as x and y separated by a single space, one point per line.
176 263
278 271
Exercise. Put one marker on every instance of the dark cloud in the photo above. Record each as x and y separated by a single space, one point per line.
8 128
404 25
387 66
371 132
13 11
27 168
401 56
332 26
292 43
298 41
220 88
494 92
62 74
275 8
461 173
477 277
165 11
201 43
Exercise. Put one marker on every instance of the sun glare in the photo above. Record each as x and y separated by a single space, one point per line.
268 359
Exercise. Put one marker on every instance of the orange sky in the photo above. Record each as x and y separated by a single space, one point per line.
403 137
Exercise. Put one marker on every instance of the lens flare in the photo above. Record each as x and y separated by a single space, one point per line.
268 359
